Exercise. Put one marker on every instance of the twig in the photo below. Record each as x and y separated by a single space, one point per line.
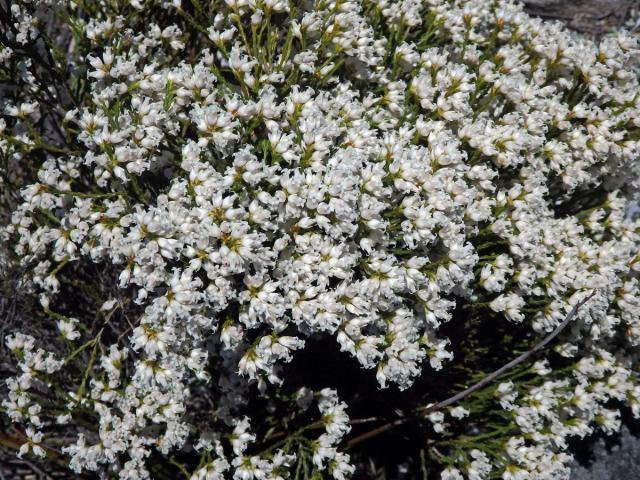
358 421
375 432
123 334
437 452
131 325
516 361
482 383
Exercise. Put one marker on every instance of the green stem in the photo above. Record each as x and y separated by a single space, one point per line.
80 392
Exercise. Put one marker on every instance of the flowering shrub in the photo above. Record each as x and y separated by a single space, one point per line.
265 236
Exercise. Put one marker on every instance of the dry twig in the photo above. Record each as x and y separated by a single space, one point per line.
479 385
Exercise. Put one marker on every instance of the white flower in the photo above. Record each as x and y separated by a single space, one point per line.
229 197
510 304
68 329
34 438
102 65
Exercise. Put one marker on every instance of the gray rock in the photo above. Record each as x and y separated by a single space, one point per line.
593 17
613 459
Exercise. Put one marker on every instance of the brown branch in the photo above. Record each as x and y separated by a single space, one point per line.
481 384
375 432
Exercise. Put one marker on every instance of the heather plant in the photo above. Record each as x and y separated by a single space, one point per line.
268 239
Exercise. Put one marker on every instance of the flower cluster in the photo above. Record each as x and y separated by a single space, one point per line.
209 189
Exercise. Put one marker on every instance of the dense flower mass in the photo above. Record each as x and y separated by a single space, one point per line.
247 213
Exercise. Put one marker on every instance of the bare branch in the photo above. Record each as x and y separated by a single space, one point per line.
479 385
